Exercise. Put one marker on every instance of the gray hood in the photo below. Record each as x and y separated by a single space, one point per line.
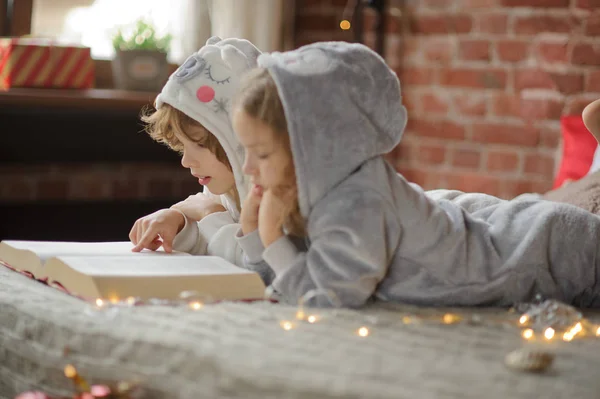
319 82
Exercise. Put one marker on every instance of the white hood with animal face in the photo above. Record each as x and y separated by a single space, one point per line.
203 88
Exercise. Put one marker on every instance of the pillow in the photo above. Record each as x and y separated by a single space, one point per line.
578 150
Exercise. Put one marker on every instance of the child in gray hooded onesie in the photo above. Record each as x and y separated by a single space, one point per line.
315 123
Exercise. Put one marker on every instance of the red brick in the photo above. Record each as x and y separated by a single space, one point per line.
538 79
593 82
504 104
474 78
499 133
470 105
535 3
575 105
512 50
393 24
550 136
478 3
441 24
439 50
435 104
552 52
475 50
541 108
439 129
536 24
588 4
417 76
502 161
411 100
494 23
475 183
586 54
539 164
431 154
593 25
465 158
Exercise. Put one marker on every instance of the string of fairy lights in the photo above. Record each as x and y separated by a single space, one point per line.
546 320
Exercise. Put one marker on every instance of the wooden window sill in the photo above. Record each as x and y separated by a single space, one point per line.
70 99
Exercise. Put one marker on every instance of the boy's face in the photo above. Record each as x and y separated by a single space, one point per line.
203 164
267 159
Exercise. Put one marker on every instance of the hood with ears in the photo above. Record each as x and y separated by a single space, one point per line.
203 88
343 107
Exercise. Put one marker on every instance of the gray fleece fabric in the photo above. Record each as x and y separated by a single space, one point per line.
373 235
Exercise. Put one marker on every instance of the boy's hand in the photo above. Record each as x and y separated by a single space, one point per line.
249 214
197 207
271 217
158 228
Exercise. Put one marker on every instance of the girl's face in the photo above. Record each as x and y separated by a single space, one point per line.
203 164
268 161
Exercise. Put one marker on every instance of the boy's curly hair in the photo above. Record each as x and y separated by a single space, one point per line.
163 125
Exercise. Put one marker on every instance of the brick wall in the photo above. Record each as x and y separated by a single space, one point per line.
485 82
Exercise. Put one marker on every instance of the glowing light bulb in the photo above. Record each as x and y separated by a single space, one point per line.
196 305
70 371
130 300
528 333
568 336
549 333
300 315
524 319
345 24
598 332
312 319
99 302
286 325
363 331
406 320
449 318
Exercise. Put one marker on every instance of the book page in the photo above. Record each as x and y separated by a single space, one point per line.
151 266
47 249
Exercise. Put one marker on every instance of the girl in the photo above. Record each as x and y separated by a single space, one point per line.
315 123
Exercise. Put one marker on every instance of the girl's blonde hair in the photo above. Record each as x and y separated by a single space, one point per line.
163 125
258 97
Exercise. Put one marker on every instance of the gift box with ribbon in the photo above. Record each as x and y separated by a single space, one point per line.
28 62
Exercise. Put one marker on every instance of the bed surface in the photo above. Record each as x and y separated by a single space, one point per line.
239 350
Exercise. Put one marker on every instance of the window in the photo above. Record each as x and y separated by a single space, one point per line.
191 22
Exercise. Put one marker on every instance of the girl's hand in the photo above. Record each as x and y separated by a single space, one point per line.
271 217
158 228
249 214
197 207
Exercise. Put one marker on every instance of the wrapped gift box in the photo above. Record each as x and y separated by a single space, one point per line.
27 62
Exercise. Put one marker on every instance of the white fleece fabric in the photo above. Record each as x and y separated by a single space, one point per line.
203 88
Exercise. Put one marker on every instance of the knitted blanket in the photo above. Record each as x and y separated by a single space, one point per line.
240 350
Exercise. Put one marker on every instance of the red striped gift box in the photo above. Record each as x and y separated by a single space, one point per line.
26 62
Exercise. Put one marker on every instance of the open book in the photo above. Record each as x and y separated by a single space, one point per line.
110 270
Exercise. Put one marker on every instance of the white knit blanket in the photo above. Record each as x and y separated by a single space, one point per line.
239 350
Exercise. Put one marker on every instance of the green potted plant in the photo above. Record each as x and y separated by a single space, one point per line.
140 61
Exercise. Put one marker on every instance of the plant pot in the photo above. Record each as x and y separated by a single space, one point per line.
144 70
